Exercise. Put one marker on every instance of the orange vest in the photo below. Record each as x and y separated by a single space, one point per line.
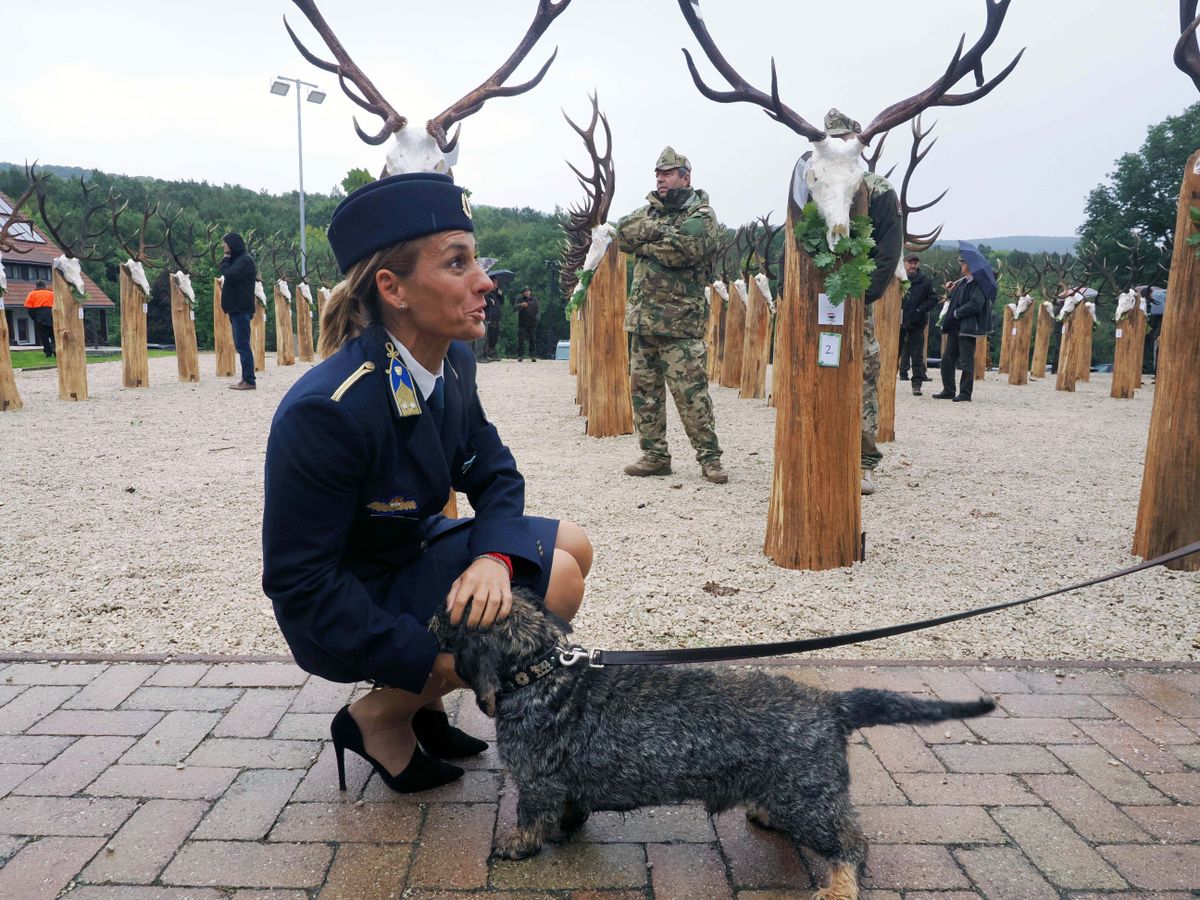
39 298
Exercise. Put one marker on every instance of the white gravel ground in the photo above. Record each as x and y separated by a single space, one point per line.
131 522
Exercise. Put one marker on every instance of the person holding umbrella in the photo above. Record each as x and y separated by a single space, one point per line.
495 301
967 318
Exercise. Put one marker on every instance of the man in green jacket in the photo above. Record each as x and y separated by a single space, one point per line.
671 238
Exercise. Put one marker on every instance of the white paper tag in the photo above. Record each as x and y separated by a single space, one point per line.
192 314
1064 328
145 307
828 314
1119 332
81 312
831 349
1014 332
1 301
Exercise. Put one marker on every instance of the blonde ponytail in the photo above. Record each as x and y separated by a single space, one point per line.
353 305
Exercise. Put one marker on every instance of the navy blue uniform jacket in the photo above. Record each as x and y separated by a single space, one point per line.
354 493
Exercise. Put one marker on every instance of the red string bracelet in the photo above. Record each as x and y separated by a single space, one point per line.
500 558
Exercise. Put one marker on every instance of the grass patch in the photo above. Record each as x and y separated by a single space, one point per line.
35 359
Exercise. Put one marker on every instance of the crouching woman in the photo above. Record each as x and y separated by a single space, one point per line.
363 453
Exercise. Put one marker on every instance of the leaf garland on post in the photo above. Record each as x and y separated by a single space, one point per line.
848 267
1194 239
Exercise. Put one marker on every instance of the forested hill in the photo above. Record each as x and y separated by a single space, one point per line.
1029 243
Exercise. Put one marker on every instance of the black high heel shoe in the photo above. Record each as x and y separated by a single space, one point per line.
441 739
422 773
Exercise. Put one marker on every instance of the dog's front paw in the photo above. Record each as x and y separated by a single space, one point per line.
516 844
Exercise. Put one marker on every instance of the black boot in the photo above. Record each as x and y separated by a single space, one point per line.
441 739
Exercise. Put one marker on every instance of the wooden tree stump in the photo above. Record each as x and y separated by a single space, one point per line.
774 361
757 345
225 353
1068 367
1021 332
1127 355
573 363
285 344
981 358
1006 343
135 365
1041 349
814 518
712 335
582 380
887 333
1083 356
1169 510
258 336
183 323
70 347
10 397
304 329
610 408
735 337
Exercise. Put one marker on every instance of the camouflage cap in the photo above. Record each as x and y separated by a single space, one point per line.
669 159
838 123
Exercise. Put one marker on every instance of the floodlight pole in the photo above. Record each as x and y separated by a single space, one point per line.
300 160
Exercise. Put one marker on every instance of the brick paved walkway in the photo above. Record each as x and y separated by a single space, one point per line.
163 781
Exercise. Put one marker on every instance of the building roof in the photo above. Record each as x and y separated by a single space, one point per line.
29 245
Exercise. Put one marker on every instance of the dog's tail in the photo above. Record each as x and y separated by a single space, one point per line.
863 707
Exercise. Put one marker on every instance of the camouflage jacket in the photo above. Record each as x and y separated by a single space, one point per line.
672 240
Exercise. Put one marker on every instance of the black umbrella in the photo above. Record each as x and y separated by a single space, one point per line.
502 277
980 268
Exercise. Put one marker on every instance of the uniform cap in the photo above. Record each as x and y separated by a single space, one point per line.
838 123
669 159
394 209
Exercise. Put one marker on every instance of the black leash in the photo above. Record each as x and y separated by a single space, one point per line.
598 657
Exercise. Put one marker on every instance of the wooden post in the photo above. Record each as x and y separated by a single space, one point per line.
981 357
1169 510
69 341
1083 358
887 333
814 518
1127 357
258 336
285 346
183 323
573 365
10 398
757 345
135 366
304 330
226 355
450 510
582 382
735 336
1018 353
774 361
1068 368
712 334
1041 349
610 408
1006 343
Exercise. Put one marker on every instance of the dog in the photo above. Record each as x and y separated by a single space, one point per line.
577 739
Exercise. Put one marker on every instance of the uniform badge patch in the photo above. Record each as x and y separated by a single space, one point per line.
401 383
390 506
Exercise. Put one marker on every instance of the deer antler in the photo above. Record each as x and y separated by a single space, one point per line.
547 12
1187 50
742 90
599 190
764 255
85 242
872 161
918 243
961 64
347 71
117 207
182 255
14 218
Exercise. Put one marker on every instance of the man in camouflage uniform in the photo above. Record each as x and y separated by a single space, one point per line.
671 238
888 231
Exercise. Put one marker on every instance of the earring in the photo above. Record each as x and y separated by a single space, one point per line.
404 306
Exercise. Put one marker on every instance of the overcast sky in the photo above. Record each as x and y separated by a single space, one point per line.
180 90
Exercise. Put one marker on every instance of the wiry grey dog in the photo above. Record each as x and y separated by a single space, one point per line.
577 739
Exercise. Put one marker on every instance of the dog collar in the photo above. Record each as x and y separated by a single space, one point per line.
556 657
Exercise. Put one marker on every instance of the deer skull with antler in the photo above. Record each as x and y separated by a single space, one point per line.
834 172
412 151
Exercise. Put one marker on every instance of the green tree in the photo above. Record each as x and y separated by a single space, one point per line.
355 179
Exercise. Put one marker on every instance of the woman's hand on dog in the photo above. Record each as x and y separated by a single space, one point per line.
485 586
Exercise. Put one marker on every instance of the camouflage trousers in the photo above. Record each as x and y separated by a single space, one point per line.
659 363
871 457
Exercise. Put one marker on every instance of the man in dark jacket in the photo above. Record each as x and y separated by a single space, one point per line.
527 319
237 301
967 318
920 299
491 316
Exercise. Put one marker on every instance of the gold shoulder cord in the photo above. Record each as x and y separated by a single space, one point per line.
358 373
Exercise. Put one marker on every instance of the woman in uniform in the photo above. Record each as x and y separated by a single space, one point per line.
363 454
